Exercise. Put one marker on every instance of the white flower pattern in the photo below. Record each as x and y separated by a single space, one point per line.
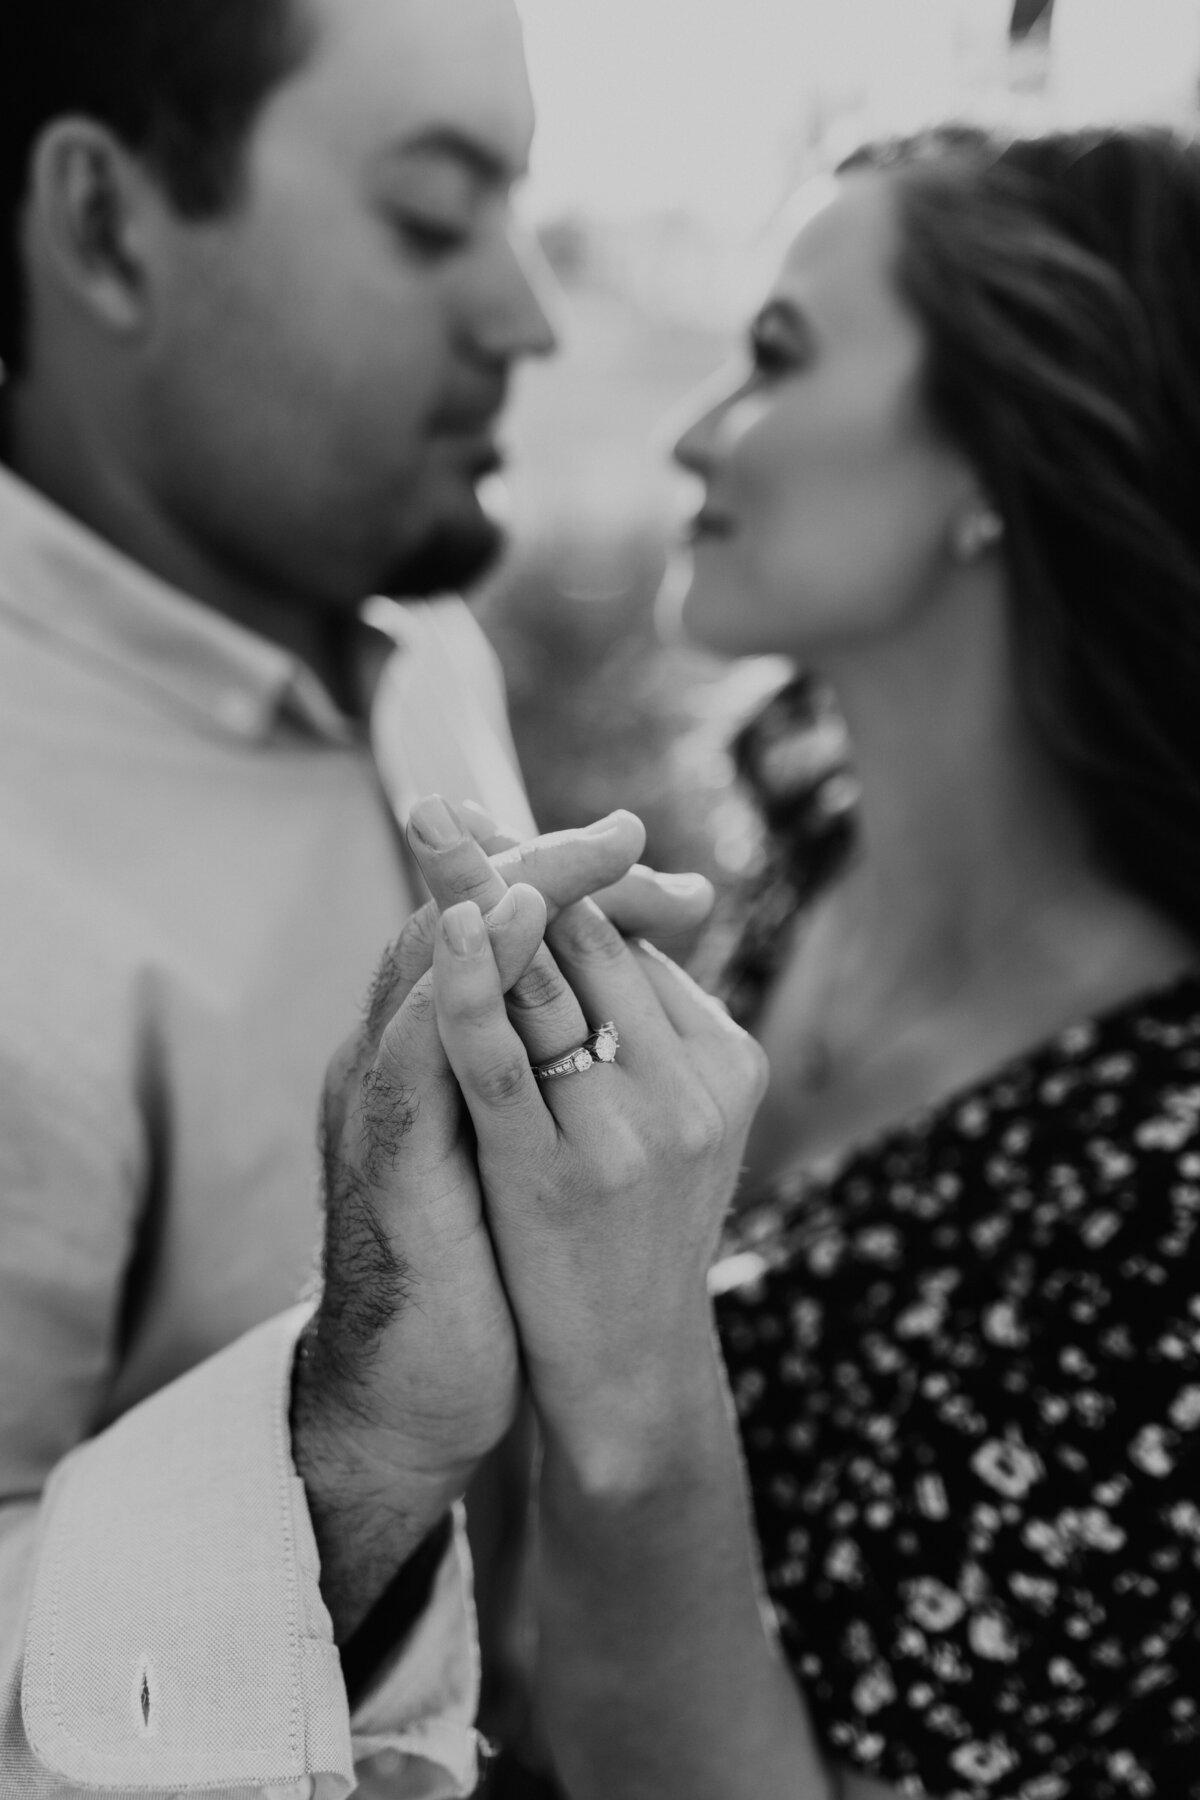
992 1444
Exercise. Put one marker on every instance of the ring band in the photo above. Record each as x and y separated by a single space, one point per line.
601 1047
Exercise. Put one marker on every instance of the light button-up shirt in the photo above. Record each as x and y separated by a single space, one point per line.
199 867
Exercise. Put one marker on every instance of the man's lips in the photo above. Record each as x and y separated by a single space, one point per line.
473 411
474 444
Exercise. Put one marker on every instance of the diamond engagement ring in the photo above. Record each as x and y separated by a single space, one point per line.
601 1047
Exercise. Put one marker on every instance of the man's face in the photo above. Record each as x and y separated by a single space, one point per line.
319 395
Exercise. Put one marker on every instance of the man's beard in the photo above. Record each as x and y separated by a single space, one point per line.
449 558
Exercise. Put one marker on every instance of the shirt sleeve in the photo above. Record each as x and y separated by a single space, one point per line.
163 1628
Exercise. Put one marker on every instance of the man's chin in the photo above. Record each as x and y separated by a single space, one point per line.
446 561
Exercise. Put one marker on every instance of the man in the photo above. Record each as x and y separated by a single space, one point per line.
260 300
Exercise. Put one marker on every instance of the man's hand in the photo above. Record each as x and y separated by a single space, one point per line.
408 1373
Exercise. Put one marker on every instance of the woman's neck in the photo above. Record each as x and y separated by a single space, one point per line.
971 924
972 848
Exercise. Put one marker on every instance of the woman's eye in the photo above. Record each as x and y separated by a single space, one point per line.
769 357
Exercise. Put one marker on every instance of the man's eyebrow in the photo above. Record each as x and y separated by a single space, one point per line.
478 159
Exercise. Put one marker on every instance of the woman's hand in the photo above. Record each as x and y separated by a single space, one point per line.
605 1190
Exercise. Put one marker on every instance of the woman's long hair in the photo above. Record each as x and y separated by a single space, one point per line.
1057 283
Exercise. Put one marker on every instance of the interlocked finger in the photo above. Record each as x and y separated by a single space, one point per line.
545 1012
642 902
563 865
599 965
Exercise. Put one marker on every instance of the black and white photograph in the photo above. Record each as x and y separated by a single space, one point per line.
600 899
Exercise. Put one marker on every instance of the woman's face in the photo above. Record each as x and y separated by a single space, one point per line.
829 496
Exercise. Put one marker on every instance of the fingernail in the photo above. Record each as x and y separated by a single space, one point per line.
463 926
503 913
435 824
684 885
601 828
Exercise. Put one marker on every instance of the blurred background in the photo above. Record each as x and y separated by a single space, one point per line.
671 132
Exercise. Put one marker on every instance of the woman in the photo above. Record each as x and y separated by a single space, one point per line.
958 482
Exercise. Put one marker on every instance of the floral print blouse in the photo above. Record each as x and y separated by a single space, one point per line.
966 1367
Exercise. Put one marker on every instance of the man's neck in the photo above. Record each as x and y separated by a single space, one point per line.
53 455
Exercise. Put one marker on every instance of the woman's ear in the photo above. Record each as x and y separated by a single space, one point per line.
86 216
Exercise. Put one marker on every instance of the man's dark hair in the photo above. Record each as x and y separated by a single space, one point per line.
180 82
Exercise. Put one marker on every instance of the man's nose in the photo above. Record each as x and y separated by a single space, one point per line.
518 322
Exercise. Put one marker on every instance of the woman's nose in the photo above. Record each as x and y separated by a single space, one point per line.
694 447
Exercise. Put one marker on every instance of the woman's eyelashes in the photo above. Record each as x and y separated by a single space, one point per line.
767 356
781 338
778 349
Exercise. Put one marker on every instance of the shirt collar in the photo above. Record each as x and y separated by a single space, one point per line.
98 605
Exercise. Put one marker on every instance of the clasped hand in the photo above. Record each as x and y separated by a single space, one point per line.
482 1225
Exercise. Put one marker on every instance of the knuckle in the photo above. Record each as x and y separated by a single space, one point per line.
504 1081
414 946
467 874
701 1131
540 987
626 1156
584 933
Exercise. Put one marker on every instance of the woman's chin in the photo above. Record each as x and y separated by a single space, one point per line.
687 611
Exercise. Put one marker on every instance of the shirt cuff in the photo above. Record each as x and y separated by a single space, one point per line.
423 1705
177 1635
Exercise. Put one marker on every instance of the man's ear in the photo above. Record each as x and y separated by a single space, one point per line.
88 215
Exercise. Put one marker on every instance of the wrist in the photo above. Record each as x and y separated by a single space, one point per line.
373 1432
638 1437
345 1452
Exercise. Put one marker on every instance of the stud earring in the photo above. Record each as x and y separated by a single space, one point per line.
977 532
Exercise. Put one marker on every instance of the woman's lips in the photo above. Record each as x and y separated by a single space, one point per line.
708 524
